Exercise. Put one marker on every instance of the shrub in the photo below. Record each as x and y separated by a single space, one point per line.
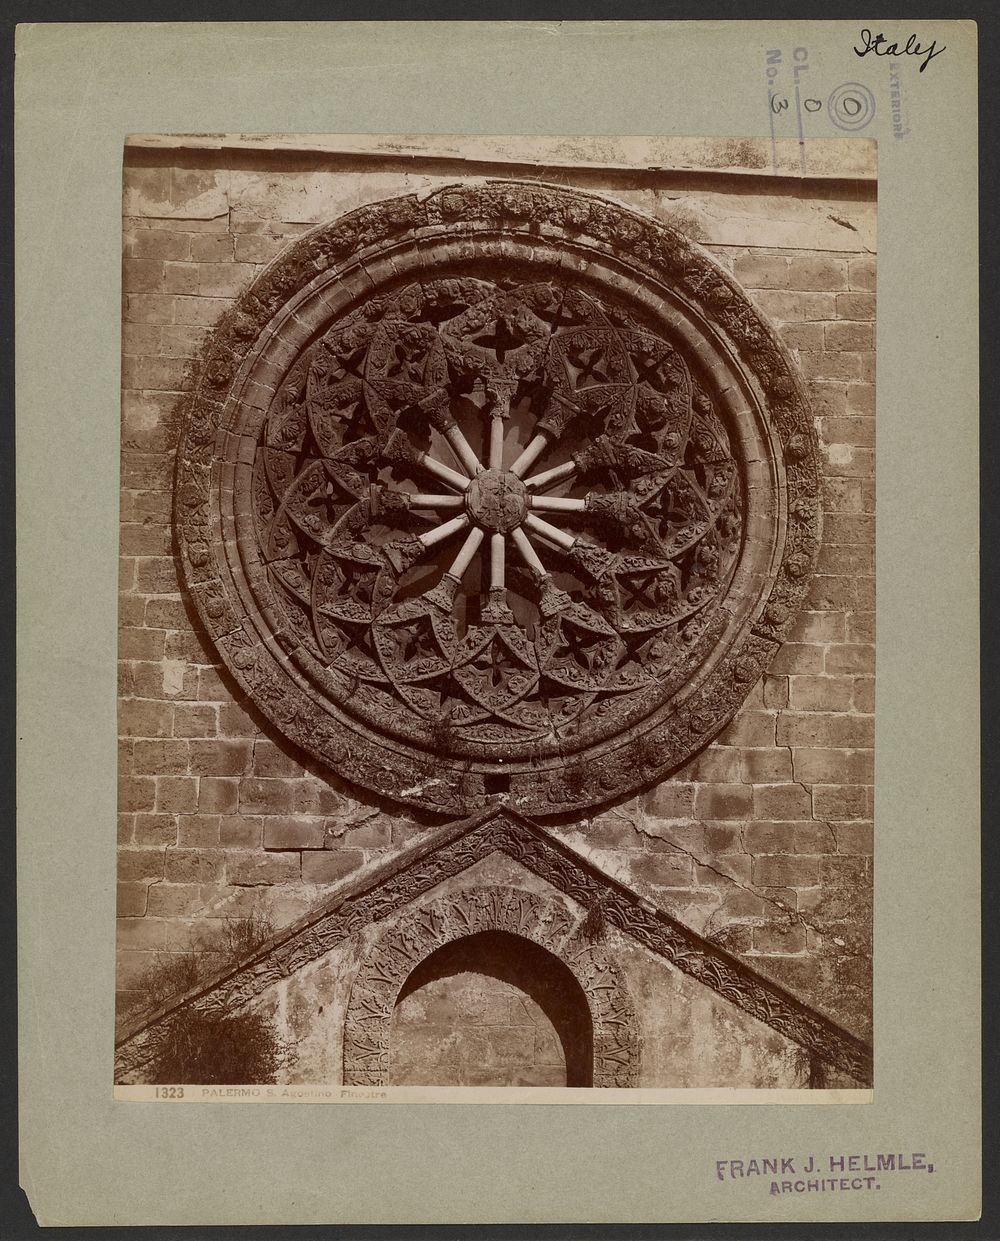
208 1047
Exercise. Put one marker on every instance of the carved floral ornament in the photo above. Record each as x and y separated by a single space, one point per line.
506 489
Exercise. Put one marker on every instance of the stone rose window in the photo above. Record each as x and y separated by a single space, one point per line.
506 490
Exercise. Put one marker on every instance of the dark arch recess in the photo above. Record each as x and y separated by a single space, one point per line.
533 970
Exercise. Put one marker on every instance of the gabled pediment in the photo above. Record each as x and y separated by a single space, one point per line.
385 889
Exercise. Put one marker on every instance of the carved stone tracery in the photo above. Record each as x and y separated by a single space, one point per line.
505 490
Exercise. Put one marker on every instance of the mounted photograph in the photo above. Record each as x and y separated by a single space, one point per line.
496 619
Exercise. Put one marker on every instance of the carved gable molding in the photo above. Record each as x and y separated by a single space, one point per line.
547 922
451 850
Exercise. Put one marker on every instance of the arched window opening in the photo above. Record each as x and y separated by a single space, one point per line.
491 1009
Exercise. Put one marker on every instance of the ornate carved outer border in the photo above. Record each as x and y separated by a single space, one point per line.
545 921
344 259
452 850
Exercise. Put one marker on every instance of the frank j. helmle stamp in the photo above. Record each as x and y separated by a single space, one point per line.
812 1174
496 619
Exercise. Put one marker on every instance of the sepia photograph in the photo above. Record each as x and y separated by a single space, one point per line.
496 618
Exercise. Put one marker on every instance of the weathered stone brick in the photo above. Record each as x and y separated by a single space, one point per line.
176 794
833 593
842 495
839 801
144 718
843 367
173 900
156 575
234 721
157 243
136 793
839 561
792 307
212 248
141 338
767 765
182 341
797 658
160 757
126 574
794 836
862 274
733 938
155 829
818 272
239 831
854 838
825 693
256 869
849 657
142 934
664 870
775 691
140 643
798 336
224 279
200 311
372 834
723 801
219 757
861 627
155 308
779 938
861 400
270 760
145 470
738 903
833 766
863 696
671 800
218 795
781 801
703 839
195 720
193 866
258 247
136 864
786 870
859 306
852 337
606 831
716 763
182 278
723 871
866 594
749 728
294 833
265 797
328 866
131 900
198 831
853 433
142 275
824 730
762 271
212 685
819 627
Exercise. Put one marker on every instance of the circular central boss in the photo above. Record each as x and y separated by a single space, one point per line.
497 500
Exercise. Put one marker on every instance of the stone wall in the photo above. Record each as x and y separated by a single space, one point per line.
763 842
